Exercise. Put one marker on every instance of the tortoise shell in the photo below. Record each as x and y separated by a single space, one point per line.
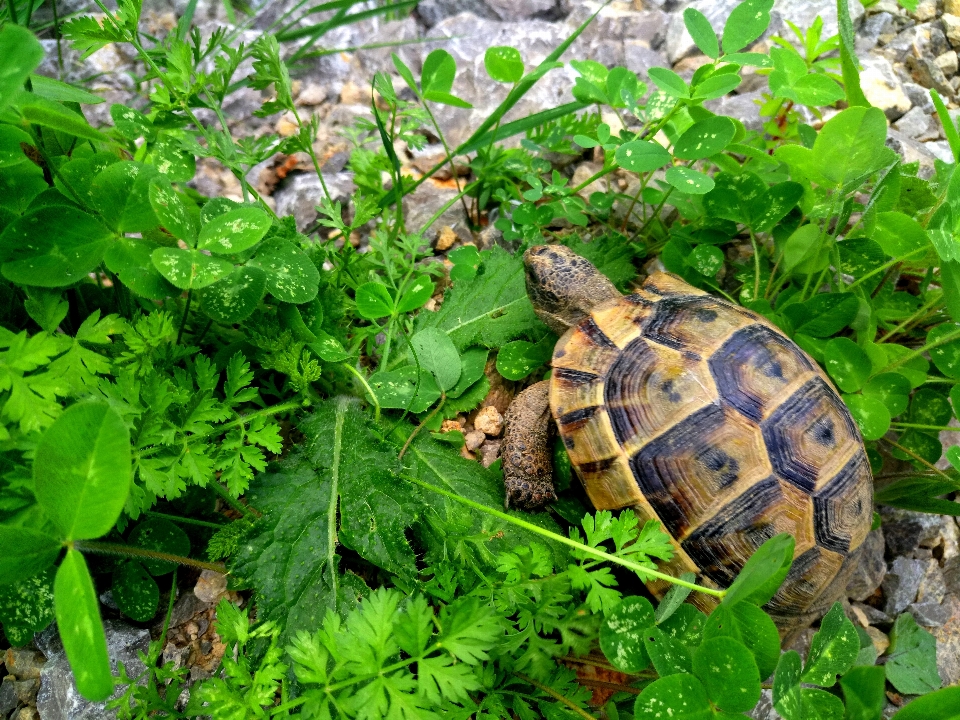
705 416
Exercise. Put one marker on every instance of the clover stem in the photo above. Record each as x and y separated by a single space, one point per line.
131 551
366 386
186 314
416 430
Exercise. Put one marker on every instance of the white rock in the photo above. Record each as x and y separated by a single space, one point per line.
489 421
947 62
882 87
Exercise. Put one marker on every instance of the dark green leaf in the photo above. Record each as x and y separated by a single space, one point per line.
870 414
163 536
135 592
172 212
436 353
291 276
130 122
674 598
851 146
52 247
171 160
642 156
519 358
82 470
833 649
929 407
706 259
11 151
820 705
81 630
763 573
823 315
728 673
235 297
234 231
746 23
25 552
52 89
748 624
622 634
847 364
705 138
668 655
912 658
26 607
21 53
892 389
679 697
189 269
863 693
503 64
786 686
130 258
121 194
374 301
945 356
941 705
40 111
702 33
328 347
692 182
472 364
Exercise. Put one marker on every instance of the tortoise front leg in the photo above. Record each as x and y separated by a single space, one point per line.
527 462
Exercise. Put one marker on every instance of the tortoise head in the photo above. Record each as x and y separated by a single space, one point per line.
563 286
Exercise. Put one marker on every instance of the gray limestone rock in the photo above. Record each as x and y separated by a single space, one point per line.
929 614
300 195
871 569
873 28
882 87
432 12
919 96
426 201
742 107
901 584
926 72
948 641
764 709
906 530
912 151
8 696
58 698
917 124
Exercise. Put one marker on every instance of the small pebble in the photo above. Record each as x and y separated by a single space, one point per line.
473 440
489 421
451 425
210 586
489 452
880 640
446 238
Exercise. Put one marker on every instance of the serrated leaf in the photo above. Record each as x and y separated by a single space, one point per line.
912 658
489 310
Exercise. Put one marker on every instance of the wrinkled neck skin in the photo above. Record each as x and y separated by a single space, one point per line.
564 299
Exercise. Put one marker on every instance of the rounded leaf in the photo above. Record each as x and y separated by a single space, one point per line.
171 211
416 294
668 655
899 234
705 138
374 301
621 635
706 259
54 246
120 192
870 414
728 672
81 630
892 389
439 69
171 160
764 572
692 182
135 592
163 536
642 156
82 470
519 358
438 355
833 649
941 705
130 123
189 269
25 552
235 297
678 697
748 624
503 63
130 259
847 363
234 231
946 356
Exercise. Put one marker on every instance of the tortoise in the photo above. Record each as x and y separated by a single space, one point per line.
700 414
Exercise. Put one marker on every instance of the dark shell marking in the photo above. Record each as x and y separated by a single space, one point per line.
705 416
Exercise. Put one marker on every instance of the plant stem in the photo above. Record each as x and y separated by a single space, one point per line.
949 337
185 521
238 506
576 709
366 386
186 313
603 555
416 430
881 269
919 459
938 428
131 551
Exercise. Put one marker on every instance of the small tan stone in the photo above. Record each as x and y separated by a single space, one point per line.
489 421
24 663
312 94
473 439
880 640
489 452
926 11
210 586
446 238
451 425
947 62
353 94
28 713
951 26
287 125
466 454
951 7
